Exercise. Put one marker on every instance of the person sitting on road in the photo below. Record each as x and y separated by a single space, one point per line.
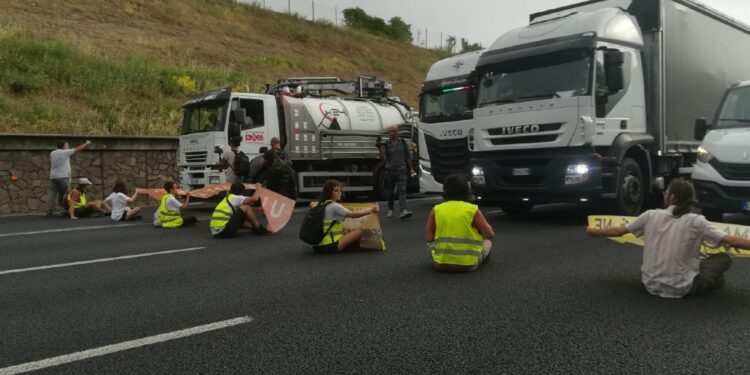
79 204
673 236
235 212
169 209
336 240
458 236
117 202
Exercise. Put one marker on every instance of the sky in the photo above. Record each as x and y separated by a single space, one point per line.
477 20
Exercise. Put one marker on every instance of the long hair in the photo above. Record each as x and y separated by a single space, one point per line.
456 188
327 191
120 187
684 196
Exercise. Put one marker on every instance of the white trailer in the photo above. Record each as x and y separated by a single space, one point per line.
326 136
597 100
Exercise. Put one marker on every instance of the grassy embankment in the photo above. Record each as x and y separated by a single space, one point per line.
124 68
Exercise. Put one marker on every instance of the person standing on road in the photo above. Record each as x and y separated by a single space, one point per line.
235 212
59 173
671 265
226 160
169 209
398 166
280 175
336 240
117 202
457 233
78 203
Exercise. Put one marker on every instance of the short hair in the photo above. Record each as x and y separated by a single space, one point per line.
169 185
61 144
236 188
120 187
275 140
235 141
456 188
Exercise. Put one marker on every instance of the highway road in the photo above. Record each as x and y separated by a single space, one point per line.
95 297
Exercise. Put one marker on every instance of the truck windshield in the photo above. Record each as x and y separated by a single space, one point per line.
205 118
735 109
553 75
448 104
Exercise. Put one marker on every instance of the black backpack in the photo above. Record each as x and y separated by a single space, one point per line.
281 166
312 231
241 164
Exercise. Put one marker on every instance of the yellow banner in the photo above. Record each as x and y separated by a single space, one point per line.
606 221
372 235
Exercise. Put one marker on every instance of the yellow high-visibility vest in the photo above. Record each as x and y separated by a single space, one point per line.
336 232
168 219
457 242
81 200
222 213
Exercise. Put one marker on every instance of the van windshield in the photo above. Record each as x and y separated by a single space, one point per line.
735 109
553 75
205 118
448 104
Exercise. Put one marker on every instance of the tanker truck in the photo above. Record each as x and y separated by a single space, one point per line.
597 101
329 128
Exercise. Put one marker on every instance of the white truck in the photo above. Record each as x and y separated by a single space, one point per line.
329 127
721 174
445 115
597 100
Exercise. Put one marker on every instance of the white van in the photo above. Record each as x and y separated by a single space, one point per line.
721 174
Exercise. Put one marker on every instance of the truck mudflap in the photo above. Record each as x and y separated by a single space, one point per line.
539 176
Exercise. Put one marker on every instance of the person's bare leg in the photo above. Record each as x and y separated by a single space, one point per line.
349 239
132 212
250 220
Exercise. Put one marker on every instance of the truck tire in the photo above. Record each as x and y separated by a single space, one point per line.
516 209
378 192
714 215
631 190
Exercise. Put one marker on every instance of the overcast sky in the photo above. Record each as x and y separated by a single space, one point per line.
478 20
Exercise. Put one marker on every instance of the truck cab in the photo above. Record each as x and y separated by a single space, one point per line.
211 119
721 173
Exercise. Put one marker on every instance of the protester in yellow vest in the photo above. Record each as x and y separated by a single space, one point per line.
336 240
78 203
235 212
169 209
457 234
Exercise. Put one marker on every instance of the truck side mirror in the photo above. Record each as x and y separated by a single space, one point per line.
238 116
613 60
701 128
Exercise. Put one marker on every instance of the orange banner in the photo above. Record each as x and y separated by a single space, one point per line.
277 208
204 193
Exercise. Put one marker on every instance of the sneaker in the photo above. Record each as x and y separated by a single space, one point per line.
389 214
261 230
405 214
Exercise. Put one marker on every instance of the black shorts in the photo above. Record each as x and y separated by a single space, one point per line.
236 222
83 211
124 216
327 249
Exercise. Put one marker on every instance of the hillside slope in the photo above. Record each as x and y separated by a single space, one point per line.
125 67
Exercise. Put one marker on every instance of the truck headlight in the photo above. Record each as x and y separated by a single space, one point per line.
703 155
577 169
477 175
576 174
477 171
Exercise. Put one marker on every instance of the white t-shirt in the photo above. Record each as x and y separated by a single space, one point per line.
229 172
59 163
671 249
118 202
173 204
335 211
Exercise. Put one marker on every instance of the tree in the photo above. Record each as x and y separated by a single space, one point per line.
399 30
450 43
396 29
468 47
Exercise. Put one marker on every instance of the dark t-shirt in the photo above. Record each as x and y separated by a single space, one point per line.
395 157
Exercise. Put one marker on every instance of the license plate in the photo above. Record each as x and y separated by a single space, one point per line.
746 206
521 171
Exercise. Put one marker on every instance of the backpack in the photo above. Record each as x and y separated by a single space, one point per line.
241 164
281 166
312 231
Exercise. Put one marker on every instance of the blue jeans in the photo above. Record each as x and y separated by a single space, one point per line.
395 179
58 193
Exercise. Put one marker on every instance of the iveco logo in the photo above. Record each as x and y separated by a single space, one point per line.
451 132
519 129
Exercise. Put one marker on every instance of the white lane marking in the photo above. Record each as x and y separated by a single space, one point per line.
127 345
69 229
19 270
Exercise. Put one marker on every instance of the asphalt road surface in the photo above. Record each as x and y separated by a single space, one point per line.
94 297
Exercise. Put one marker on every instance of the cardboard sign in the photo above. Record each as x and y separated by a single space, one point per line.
277 208
372 235
605 221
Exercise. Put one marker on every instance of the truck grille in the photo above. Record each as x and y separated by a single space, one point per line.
196 156
447 156
734 172
510 135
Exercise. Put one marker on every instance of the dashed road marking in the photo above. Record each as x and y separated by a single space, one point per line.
127 345
101 260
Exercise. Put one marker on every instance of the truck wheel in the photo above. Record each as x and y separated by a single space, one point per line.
711 214
379 188
516 209
630 188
